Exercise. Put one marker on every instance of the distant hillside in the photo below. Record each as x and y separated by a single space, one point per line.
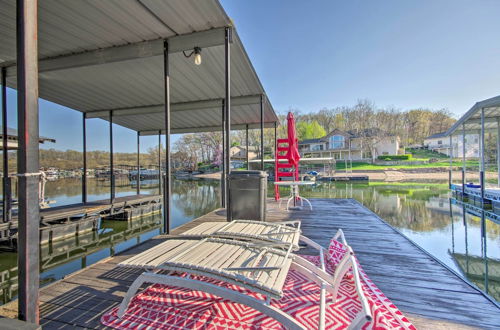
72 159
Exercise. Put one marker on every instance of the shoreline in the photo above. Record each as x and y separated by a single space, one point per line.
389 175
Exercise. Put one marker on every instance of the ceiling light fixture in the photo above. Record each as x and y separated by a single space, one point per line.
197 55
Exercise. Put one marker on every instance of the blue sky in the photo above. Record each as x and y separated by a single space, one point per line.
316 54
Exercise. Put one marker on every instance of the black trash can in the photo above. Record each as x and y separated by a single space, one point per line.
247 195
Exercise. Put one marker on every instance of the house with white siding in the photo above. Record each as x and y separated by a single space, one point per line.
441 143
354 145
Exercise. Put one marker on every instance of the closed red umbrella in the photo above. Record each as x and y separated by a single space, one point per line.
293 143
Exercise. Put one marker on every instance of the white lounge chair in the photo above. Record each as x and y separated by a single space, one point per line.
257 266
284 232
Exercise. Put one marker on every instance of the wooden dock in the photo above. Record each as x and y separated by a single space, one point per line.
427 292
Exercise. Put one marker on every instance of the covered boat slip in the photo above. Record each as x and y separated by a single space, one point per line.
131 63
423 289
482 118
155 67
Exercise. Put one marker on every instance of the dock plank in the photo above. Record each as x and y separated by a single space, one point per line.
430 294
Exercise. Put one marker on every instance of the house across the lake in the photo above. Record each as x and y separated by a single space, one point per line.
440 142
239 153
365 144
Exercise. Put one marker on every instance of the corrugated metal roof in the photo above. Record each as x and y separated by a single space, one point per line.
471 120
83 66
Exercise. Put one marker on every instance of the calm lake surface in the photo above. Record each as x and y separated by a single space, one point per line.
423 211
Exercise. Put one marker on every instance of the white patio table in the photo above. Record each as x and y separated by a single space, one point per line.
294 192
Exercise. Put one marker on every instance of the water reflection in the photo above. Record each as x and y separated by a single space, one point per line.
190 199
457 235
63 257
421 211
195 198
478 264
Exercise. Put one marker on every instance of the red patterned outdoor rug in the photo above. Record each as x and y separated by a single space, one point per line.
167 307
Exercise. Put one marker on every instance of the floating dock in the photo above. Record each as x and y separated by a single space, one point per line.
429 293
344 178
69 220
490 199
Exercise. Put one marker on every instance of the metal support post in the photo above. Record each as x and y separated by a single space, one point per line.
275 142
350 156
262 132
451 162
481 173
167 189
138 177
227 103
111 159
498 152
84 174
159 163
464 165
28 161
223 160
6 196
248 151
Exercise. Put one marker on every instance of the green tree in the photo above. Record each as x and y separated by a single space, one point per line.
309 130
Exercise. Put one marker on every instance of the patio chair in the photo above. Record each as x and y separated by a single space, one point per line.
283 232
382 309
257 267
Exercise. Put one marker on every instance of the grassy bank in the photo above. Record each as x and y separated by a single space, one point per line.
361 166
438 161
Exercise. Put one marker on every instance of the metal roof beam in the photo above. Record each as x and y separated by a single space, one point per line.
183 106
493 102
457 129
478 120
236 127
144 49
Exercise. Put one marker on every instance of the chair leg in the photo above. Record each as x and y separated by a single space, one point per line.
288 203
288 321
130 293
308 202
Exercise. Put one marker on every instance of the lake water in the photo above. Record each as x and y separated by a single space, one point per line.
421 211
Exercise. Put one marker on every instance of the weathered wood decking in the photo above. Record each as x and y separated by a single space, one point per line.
430 294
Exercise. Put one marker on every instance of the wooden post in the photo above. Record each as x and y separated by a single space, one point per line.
28 161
